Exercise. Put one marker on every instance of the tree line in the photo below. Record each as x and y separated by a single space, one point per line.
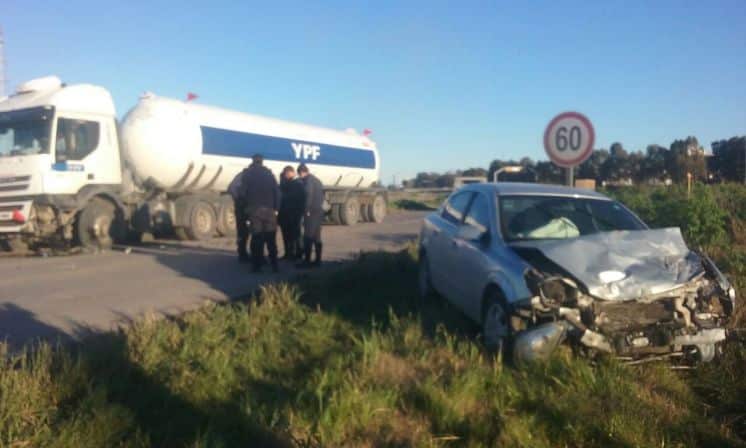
616 165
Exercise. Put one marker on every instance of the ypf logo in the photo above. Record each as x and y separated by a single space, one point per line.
305 151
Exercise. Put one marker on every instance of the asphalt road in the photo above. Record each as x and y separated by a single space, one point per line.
68 296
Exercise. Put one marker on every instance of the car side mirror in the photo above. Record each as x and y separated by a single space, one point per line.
469 232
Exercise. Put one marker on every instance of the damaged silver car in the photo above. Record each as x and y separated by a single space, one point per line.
540 265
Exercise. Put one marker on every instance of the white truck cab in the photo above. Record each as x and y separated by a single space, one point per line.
58 148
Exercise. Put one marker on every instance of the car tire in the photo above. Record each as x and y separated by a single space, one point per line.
496 331
424 280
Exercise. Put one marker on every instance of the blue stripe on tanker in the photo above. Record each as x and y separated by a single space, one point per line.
223 142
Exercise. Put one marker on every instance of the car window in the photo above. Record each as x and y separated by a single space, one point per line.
478 215
611 215
455 206
551 217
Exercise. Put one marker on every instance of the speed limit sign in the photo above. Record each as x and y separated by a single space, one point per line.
568 139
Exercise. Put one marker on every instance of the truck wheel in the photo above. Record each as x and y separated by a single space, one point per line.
226 224
364 215
377 209
201 224
99 225
334 214
350 212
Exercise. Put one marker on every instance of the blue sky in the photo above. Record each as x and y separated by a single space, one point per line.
443 85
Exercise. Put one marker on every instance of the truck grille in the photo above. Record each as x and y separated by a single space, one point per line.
14 183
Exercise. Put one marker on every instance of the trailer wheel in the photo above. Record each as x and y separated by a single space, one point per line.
99 225
377 209
350 211
226 223
364 213
201 224
334 214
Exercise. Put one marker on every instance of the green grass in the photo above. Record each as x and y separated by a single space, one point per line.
349 358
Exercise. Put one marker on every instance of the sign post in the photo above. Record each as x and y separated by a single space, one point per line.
568 141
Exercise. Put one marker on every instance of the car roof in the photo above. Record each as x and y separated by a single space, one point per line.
520 188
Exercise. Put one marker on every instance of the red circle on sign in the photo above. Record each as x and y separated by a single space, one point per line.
585 153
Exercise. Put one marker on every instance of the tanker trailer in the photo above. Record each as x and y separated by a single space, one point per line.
69 174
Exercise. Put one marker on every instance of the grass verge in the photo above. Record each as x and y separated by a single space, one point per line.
349 358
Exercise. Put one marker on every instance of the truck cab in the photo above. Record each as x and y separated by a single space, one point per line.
59 153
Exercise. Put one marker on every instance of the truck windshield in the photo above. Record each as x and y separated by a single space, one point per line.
554 217
25 132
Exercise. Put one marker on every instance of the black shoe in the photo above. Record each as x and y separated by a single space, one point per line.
316 264
304 265
288 257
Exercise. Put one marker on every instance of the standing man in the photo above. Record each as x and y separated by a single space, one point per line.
292 207
313 216
262 195
239 212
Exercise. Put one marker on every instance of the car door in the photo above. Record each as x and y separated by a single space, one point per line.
440 249
470 260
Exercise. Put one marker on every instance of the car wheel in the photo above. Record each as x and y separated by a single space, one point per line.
496 326
424 282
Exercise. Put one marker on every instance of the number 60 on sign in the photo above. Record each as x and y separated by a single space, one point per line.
568 139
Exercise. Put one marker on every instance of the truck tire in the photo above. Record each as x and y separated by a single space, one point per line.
201 221
364 215
349 213
226 223
334 214
99 225
377 209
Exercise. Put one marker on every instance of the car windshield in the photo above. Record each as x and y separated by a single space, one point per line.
25 132
552 217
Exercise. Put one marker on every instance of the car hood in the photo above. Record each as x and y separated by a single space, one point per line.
624 265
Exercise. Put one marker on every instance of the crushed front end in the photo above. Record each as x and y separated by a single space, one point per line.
677 306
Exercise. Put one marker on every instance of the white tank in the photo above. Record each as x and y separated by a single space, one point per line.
179 146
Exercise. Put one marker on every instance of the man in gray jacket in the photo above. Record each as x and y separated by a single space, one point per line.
312 218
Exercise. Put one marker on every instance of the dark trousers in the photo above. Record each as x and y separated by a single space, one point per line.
258 241
242 230
290 228
312 236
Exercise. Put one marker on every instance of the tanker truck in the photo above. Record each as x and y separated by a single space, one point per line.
71 174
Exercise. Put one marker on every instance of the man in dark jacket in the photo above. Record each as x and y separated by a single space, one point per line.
313 216
292 207
239 212
262 197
